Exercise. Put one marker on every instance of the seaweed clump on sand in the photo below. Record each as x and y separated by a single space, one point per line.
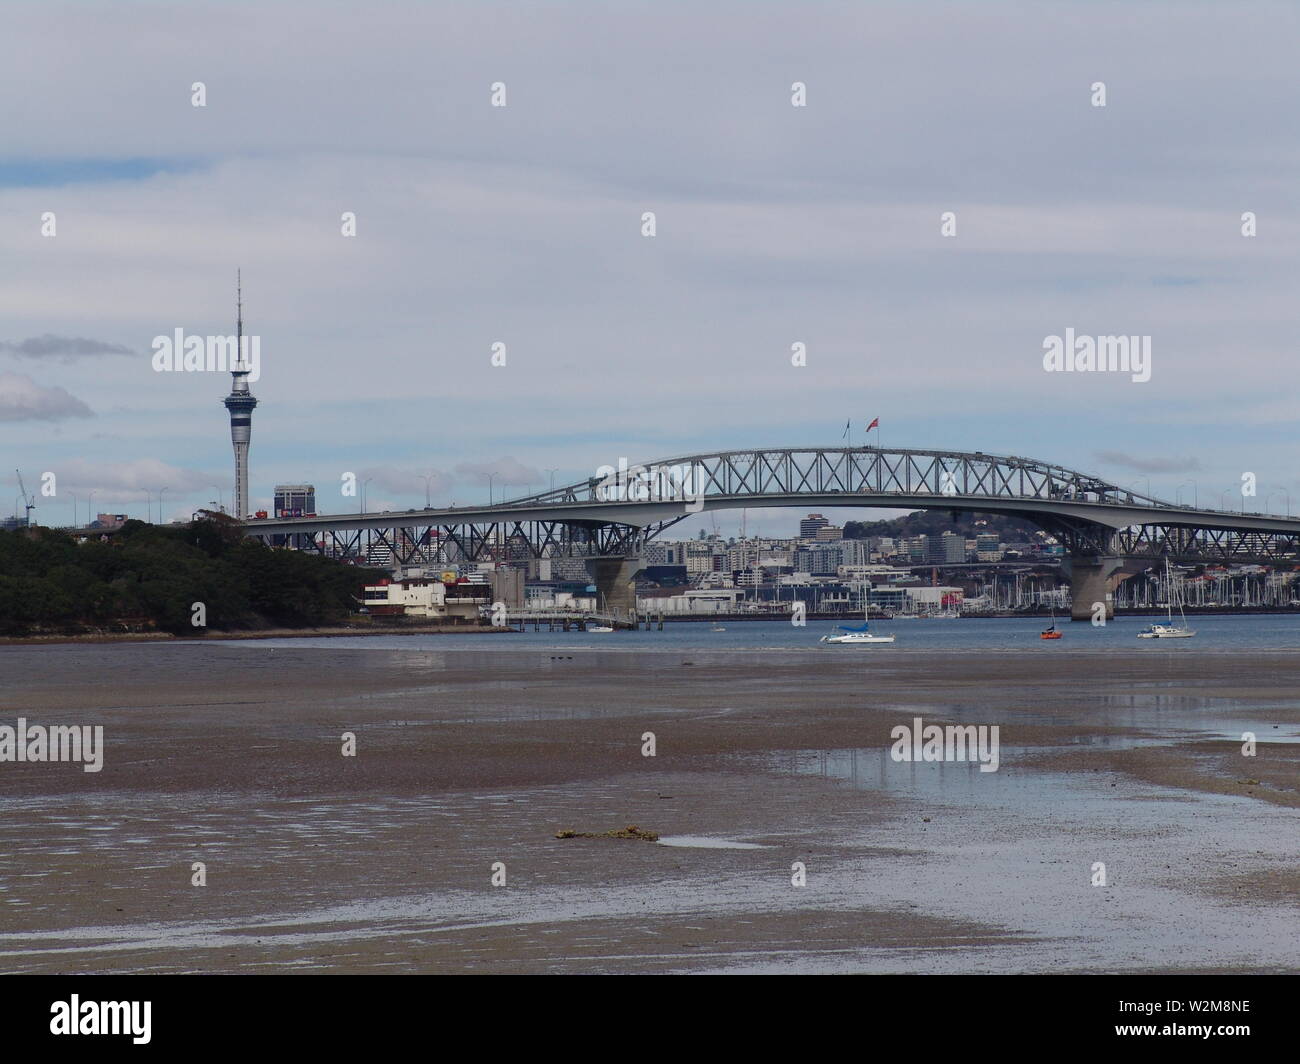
631 832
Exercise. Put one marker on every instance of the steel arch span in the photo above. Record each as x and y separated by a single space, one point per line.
614 513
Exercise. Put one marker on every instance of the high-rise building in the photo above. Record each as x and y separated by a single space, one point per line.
948 549
809 525
917 549
821 560
740 557
854 552
240 403
700 558
295 500
667 552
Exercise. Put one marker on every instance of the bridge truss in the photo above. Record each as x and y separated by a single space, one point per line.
615 513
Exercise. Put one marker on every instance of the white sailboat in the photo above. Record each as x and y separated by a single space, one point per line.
858 635
1169 630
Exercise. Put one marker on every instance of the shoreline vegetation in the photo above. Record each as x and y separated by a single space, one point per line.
168 582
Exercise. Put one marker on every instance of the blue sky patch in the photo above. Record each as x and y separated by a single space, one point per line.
49 173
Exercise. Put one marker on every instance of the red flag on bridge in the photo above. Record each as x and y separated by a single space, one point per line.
874 422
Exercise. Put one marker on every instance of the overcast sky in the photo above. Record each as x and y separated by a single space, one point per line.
522 224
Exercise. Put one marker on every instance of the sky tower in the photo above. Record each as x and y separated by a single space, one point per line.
240 403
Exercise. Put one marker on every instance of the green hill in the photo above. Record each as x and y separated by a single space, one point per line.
144 577
937 522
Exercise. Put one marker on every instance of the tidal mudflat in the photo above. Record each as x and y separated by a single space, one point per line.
469 761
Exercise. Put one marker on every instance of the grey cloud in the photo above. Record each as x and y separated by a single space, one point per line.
1150 465
503 471
64 348
22 399
391 478
130 480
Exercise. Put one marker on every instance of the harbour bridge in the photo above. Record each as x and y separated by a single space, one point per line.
1108 532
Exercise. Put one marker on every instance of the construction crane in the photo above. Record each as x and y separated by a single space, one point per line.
27 499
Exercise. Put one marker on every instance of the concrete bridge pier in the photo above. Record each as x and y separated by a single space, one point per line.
507 587
1094 579
614 578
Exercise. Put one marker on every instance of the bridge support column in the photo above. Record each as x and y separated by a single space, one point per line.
1093 580
507 587
614 578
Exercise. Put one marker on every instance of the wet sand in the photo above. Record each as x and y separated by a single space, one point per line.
214 634
230 755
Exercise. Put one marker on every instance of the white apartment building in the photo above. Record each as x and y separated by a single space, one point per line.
421 598
699 558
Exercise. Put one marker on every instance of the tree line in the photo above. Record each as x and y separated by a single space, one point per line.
937 522
144 576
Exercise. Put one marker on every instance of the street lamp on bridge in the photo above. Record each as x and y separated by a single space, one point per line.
427 504
1178 494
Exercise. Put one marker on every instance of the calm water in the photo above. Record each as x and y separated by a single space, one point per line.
1214 634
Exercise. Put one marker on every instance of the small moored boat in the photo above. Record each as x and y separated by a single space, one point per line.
1169 630
1166 631
859 636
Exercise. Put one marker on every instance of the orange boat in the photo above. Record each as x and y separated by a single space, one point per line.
1050 633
